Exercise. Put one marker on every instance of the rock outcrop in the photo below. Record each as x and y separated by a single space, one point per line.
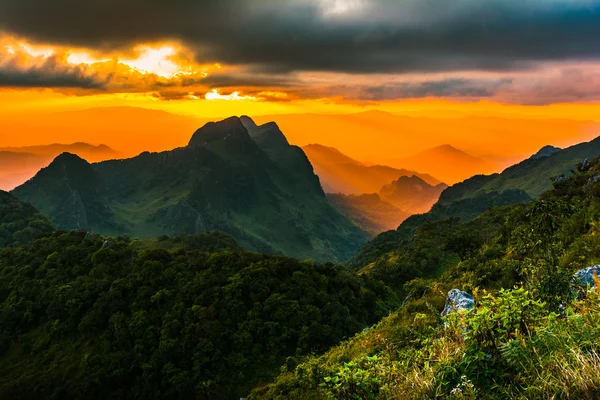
586 277
457 300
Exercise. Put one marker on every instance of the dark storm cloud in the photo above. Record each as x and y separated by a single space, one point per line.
298 35
51 73
477 88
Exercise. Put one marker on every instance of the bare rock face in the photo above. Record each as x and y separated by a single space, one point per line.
457 300
586 277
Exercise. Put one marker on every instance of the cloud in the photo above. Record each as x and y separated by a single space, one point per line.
18 70
355 36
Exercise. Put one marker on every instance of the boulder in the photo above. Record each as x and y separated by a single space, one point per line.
457 300
585 165
593 180
585 277
560 179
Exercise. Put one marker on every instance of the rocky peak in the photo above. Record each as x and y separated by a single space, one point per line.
248 123
545 151
457 300
269 136
228 129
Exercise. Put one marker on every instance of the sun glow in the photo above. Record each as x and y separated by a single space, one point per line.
158 61
83 58
341 7
215 95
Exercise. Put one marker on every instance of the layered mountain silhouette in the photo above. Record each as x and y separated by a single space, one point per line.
18 164
412 194
88 151
342 174
520 183
234 176
369 211
445 162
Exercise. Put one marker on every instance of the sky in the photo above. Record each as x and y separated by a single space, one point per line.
527 52
215 58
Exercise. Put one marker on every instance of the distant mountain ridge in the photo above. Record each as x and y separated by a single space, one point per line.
235 177
412 194
445 162
467 200
342 174
369 211
18 164
85 150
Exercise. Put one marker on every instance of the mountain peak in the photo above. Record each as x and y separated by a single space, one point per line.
231 127
69 160
248 122
545 151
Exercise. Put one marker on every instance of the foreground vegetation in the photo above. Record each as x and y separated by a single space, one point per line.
86 317
532 335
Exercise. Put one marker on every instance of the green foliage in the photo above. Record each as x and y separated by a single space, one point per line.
88 317
357 380
502 317
527 337
20 222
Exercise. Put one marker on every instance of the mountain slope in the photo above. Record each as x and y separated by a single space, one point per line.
20 222
341 174
445 162
95 318
531 176
467 200
526 321
252 185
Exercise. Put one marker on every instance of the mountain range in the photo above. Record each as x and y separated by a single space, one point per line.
467 200
18 164
233 176
341 174
445 162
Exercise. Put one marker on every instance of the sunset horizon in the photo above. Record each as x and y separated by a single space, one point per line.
299 199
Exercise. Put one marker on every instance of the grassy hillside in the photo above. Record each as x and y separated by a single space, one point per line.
532 333
531 176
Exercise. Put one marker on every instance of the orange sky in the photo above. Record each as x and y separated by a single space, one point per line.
164 76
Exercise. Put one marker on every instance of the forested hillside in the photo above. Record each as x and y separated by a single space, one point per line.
82 316
531 334
20 222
